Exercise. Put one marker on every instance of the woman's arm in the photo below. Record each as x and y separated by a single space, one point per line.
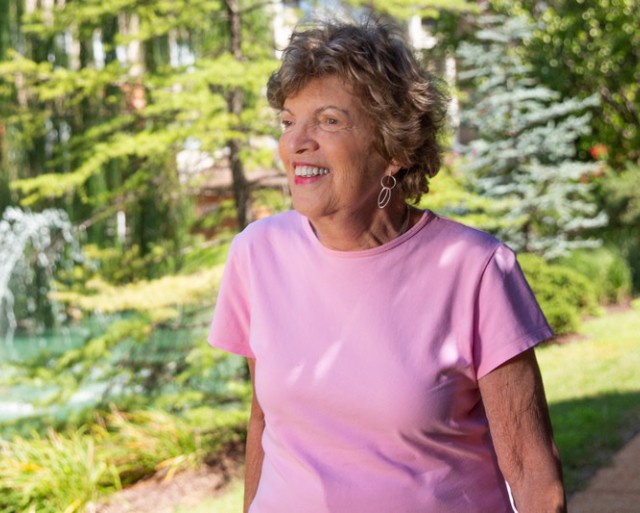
254 451
514 400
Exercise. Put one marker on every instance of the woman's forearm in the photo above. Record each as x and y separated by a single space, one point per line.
541 493
536 481
254 452
253 462
514 401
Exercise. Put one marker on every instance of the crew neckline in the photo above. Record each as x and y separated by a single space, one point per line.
426 217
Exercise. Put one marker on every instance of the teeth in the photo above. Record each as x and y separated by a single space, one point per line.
311 171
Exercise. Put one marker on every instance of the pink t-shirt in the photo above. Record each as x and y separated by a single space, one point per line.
367 364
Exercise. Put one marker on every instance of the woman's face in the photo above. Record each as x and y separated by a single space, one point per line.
327 147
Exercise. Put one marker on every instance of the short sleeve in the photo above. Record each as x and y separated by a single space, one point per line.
231 318
508 318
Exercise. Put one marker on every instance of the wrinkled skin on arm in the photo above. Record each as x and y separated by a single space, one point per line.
254 451
515 404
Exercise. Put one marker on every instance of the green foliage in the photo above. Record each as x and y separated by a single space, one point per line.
405 9
99 134
584 47
116 265
67 471
606 270
451 194
151 353
525 148
206 255
621 194
160 298
620 198
271 201
52 474
564 294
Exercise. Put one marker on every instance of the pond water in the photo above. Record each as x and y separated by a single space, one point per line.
163 346
21 400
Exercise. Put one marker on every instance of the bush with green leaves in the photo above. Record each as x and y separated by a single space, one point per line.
606 270
564 294
620 197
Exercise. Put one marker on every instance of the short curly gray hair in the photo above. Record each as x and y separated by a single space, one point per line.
408 104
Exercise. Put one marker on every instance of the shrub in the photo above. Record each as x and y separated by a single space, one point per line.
564 294
605 269
621 200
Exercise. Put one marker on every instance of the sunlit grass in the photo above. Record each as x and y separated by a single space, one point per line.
593 388
605 360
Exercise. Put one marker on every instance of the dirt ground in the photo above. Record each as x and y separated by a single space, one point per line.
188 488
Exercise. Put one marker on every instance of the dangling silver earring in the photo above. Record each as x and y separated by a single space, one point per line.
388 183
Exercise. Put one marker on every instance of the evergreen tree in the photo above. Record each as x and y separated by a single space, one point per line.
525 144
102 98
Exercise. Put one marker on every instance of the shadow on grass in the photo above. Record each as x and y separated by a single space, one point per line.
589 431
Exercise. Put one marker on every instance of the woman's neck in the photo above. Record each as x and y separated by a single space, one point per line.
360 232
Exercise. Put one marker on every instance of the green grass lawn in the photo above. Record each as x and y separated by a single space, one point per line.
593 388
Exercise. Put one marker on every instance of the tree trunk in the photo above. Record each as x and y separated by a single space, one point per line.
5 38
241 188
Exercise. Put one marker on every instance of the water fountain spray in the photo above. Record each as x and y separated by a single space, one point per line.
47 232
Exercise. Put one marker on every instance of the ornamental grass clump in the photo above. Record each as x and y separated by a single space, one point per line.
53 473
140 444
65 472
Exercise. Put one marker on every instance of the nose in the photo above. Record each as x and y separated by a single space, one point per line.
300 138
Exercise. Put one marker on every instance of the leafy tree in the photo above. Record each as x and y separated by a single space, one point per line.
524 152
109 114
405 9
584 47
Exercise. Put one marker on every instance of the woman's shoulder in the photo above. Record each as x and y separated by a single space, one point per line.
452 231
271 229
467 248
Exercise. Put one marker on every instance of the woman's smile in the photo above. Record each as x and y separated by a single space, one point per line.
306 174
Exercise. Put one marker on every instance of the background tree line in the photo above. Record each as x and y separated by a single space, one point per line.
99 100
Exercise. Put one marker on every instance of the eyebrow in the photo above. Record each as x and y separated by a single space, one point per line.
322 109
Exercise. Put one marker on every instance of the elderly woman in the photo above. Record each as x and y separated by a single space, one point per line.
390 349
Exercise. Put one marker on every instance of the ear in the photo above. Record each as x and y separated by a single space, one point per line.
393 168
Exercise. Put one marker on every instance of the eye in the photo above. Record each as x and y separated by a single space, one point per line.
331 123
285 124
